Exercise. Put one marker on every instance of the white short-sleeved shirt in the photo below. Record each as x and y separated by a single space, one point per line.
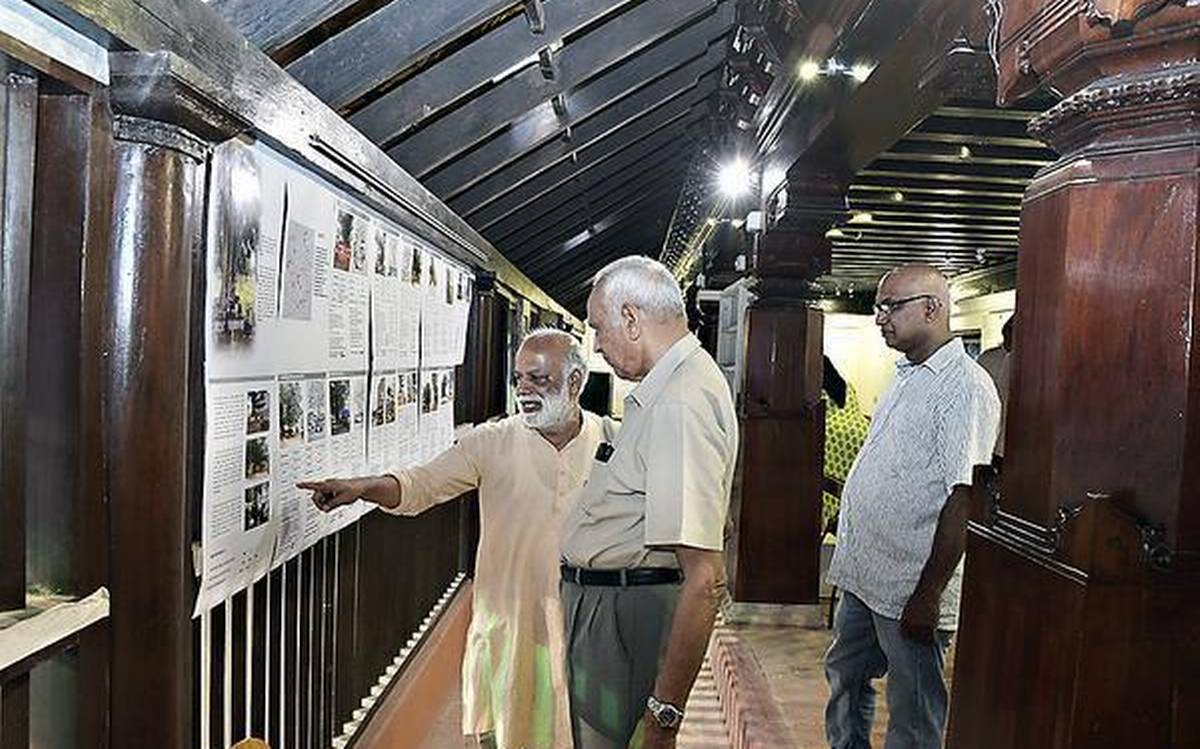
669 474
935 423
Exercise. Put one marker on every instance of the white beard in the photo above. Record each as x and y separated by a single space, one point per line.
555 411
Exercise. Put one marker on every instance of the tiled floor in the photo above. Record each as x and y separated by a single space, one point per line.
790 658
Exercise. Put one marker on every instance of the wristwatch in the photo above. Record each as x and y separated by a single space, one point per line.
665 714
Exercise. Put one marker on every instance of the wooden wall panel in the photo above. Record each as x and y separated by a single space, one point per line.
1025 694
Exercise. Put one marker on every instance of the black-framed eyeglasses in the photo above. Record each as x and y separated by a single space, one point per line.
888 306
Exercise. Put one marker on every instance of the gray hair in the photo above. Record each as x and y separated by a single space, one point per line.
573 361
639 282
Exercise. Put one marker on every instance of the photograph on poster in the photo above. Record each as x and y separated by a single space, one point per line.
238 206
350 243
315 397
339 407
291 414
380 244
392 257
258 411
389 407
257 505
379 407
418 260
298 266
429 395
358 397
258 458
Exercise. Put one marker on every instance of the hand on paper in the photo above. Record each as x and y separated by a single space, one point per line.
331 493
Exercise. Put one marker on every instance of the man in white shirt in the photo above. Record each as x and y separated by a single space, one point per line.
527 469
903 519
643 550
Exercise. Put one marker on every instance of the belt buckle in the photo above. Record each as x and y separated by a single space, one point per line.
624 578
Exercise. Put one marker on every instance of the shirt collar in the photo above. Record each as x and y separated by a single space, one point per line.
938 360
656 379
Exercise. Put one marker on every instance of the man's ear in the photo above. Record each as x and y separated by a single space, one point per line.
631 322
575 384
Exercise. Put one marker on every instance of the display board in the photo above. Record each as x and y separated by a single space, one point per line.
331 340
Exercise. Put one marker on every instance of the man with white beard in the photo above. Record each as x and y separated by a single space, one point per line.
527 469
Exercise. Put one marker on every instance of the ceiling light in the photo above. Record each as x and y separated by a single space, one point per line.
861 217
897 197
835 233
862 71
809 70
964 152
734 178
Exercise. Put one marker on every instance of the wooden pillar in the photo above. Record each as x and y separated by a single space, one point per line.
153 392
778 513
18 122
1081 610
157 221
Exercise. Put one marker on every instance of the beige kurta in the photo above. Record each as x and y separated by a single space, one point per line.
513 670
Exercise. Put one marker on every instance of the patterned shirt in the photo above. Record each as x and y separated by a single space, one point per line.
933 425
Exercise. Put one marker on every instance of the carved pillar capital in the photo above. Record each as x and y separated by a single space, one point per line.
1068 45
131 129
794 250
1160 102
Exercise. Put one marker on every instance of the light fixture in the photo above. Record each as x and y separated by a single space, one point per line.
861 217
835 233
861 71
734 178
897 197
964 152
809 70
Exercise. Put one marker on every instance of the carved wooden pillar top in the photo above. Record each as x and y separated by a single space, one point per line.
794 250
1068 44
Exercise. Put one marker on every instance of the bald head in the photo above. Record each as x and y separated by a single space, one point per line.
911 280
912 310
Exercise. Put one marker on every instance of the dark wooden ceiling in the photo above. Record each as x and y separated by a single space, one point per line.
565 131
948 193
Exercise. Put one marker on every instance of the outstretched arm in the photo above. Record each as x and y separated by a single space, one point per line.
330 493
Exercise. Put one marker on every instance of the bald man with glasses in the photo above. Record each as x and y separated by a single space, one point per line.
902 522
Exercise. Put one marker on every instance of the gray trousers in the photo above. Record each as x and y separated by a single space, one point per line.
615 637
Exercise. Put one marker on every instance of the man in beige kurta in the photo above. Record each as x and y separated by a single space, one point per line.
528 469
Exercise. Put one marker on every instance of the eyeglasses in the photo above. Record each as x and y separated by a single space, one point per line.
888 306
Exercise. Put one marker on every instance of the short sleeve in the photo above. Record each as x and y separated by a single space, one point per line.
686 494
968 420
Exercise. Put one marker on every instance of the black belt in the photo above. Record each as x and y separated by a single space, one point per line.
622 578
